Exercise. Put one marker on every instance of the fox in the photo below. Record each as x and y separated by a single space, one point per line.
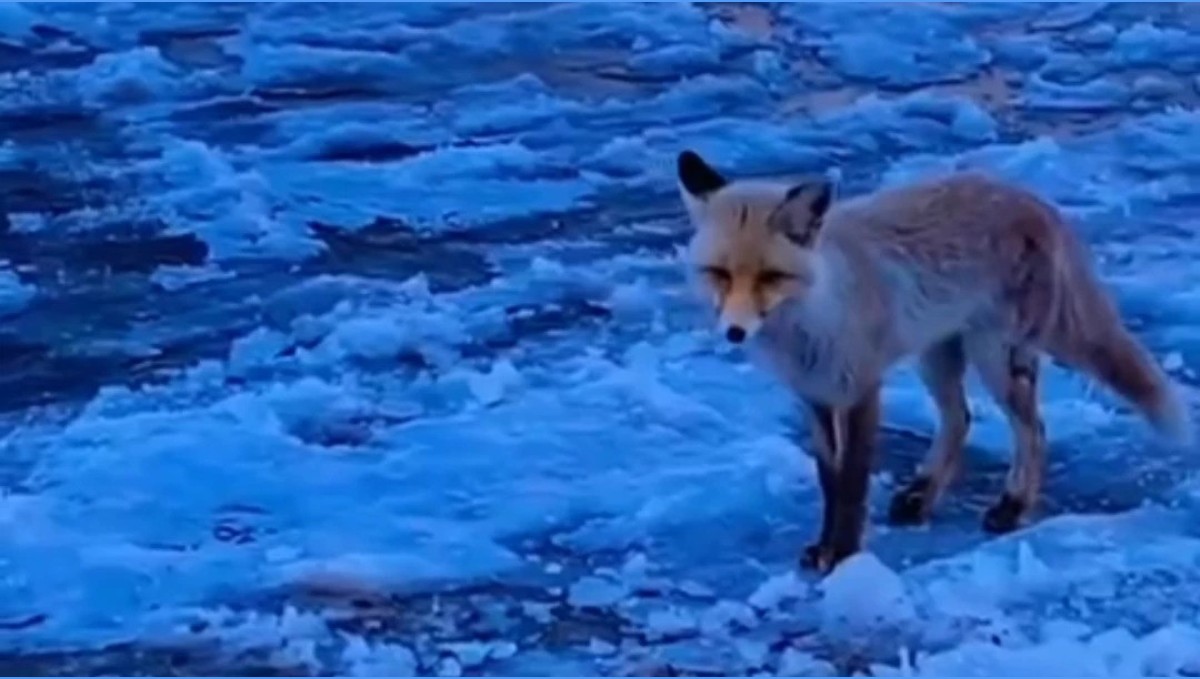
954 270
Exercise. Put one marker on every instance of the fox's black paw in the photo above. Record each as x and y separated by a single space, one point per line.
823 558
813 557
1004 516
910 505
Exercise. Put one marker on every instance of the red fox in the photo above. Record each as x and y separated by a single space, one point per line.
957 270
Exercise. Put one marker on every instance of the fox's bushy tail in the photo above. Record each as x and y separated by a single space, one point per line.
1087 333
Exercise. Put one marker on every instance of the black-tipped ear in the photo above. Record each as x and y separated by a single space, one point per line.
698 177
800 215
814 196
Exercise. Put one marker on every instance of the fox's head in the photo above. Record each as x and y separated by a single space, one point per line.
752 247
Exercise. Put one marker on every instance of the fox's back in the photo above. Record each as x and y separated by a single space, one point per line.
947 251
961 219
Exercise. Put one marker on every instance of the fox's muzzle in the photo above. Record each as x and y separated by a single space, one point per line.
739 304
738 328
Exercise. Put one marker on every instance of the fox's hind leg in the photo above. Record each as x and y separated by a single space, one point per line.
1009 371
941 368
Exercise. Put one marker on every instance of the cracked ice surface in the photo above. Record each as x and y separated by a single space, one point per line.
352 339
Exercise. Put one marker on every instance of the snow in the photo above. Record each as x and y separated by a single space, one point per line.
593 591
16 21
15 296
1167 652
1146 44
135 77
173 277
26 222
863 595
1094 95
437 399
380 660
776 590
880 46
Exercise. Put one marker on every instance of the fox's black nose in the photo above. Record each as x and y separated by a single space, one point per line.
735 334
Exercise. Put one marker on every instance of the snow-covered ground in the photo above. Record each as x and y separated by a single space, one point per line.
352 339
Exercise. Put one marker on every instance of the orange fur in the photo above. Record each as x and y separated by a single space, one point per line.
961 269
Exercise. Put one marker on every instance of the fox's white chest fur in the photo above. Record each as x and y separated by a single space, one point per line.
810 364
815 344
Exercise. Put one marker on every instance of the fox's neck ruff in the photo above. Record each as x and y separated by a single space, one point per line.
823 309
807 340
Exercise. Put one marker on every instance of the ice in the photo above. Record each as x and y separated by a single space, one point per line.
291 638
471 655
777 590
1069 16
753 653
491 387
15 296
197 188
725 615
1173 361
979 659
1164 652
282 54
675 61
438 399
172 278
448 667
1094 95
770 67
600 647
347 138
669 622
458 187
974 124
285 66
9 159
1144 44
1170 650
872 57
593 591
379 660
863 595
1098 35
880 47
796 663
16 22
1030 569
135 77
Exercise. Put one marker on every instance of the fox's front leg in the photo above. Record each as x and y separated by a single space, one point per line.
849 436
822 424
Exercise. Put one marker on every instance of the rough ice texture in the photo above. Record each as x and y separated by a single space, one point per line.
436 399
15 296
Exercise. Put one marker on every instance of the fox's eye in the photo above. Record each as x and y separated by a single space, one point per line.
718 274
771 277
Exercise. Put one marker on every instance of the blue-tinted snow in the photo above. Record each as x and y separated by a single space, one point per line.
352 338
14 295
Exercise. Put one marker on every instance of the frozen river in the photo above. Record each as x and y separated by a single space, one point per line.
353 339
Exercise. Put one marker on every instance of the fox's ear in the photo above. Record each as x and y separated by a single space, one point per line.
812 196
800 214
697 177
